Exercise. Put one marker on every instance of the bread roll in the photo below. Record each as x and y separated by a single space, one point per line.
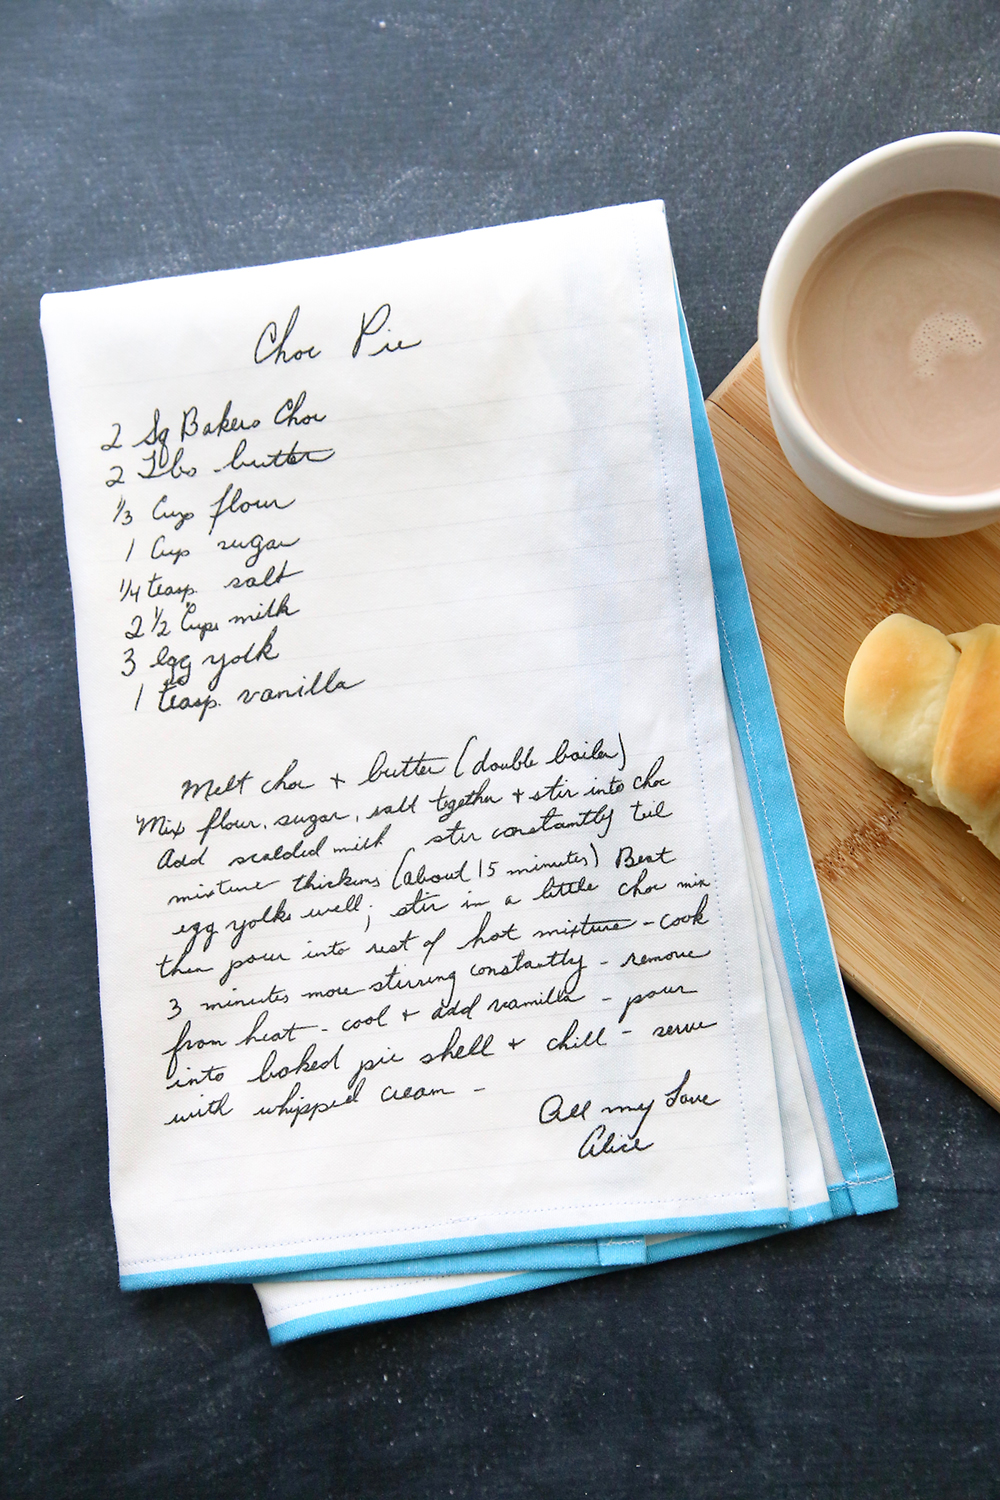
926 707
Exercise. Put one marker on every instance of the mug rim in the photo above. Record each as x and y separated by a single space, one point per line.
777 383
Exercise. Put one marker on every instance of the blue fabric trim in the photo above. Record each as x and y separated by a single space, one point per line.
622 1252
699 1244
569 1257
840 1200
405 1307
809 957
408 1307
582 1256
873 1197
802 928
805 938
285 1266
816 983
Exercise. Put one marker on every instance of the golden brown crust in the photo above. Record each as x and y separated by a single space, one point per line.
967 753
895 696
926 707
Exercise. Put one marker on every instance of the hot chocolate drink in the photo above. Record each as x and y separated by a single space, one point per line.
894 343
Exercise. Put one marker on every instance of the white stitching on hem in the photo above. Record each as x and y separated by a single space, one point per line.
694 722
784 892
153 1260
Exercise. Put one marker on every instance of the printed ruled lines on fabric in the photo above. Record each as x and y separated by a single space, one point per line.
159 380
668 502
553 1234
784 892
489 560
473 482
539 1158
480 519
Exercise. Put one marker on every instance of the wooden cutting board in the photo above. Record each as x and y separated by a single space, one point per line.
912 898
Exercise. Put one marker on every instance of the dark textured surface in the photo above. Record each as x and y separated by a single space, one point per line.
147 137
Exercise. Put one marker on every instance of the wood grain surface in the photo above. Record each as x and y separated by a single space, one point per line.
912 898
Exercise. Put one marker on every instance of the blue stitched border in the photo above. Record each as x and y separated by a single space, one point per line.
404 1307
811 964
579 1255
869 1185
285 1267
679 583
408 1307
802 926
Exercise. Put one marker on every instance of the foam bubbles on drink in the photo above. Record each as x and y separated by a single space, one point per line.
941 335
894 343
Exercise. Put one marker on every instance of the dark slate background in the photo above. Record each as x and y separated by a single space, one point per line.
152 137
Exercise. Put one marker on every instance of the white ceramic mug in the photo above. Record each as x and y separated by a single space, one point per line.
964 161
